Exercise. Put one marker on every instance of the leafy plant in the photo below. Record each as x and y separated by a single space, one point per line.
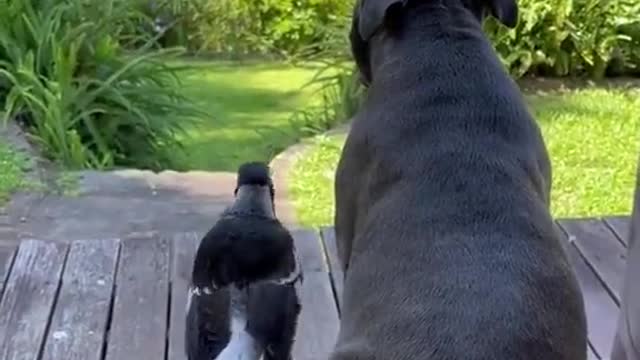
568 37
66 78
629 56
241 27
336 81
12 165
595 31
340 95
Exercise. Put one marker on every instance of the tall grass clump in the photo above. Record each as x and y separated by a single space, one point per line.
64 75
336 81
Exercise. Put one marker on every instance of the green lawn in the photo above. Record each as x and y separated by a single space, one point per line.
250 107
12 177
593 137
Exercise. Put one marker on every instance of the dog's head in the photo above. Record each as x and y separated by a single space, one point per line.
372 16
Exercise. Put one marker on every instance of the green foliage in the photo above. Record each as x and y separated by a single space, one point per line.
553 38
293 24
593 137
223 26
64 75
336 82
340 95
570 37
282 27
12 166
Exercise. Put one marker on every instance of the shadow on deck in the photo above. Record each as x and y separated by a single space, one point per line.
119 299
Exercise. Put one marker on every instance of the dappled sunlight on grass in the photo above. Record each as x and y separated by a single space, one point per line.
250 106
311 182
593 137
594 141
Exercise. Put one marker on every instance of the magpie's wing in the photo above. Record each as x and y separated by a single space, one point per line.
243 250
207 329
211 263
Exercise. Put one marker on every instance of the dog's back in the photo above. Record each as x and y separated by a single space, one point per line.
442 212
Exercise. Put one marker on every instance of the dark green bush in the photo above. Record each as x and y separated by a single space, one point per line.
553 37
280 27
64 75
570 37
294 24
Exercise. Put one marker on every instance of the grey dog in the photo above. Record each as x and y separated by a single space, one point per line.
442 198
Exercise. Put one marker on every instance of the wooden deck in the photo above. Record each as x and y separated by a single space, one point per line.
125 299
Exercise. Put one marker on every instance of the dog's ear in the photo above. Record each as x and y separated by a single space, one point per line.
360 51
372 13
506 11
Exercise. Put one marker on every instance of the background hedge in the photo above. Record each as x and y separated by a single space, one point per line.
92 83
553 37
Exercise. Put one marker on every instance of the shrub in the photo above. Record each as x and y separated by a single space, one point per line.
63 74
295 24
280 27
336 81
569 37
553 37
225 27
340 95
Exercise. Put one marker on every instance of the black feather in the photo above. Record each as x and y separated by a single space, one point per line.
254 173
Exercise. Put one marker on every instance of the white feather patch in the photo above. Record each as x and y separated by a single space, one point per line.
241 346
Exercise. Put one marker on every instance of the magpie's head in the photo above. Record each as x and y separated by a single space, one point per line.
255 175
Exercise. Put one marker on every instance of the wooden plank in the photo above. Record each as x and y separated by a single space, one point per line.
183 249
620 226
602 311
138 328
6 259
318 323
29 298
309 249
601 249
79 322
331 251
